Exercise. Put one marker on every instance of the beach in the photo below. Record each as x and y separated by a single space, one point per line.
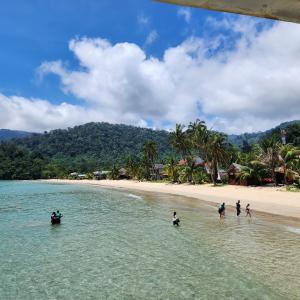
269 200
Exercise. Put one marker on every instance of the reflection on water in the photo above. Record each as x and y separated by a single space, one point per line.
118 245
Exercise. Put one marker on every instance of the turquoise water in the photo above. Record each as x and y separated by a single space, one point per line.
121 245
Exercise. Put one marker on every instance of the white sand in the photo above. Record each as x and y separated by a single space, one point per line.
264 199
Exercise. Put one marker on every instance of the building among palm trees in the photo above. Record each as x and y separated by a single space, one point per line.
158 172
234 172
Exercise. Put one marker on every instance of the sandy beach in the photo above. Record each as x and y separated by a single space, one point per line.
271 200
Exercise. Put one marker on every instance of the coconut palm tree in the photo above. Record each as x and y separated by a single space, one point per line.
132 166
179 140
254 173
114 173
270 155
171 168
216 152
199 134
150 153
291 161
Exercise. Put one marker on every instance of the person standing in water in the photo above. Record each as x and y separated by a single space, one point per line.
58 215
175 219
248 213
221 210
238 208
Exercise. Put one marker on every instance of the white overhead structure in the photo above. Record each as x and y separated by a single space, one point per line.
284 10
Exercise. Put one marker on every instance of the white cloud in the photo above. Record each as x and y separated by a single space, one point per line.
251 85
186 13
151 38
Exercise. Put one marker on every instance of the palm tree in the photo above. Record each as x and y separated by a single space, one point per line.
172 169
114 173
198 134
216 152
179 140
150 153
291 160
132 166
270 155
254 173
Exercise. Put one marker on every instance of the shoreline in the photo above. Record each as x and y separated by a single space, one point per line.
266 200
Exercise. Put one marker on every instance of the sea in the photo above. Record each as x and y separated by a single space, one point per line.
118 244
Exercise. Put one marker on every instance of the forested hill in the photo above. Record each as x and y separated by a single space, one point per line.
292 127
7 134
94 145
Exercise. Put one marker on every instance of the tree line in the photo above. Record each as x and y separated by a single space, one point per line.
102 146
258 161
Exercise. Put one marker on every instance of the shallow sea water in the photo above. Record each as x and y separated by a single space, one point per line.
121 245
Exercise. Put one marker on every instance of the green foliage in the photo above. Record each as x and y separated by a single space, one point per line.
102 146
172 169
17 163
114 173
94 145
199 177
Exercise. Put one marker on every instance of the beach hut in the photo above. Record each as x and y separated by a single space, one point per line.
82 176
234 172
158 172
123 174
97 175
73 175
197 160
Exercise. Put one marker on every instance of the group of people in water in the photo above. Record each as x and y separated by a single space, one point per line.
55 217
221 211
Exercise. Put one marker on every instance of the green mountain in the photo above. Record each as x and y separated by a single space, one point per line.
6 134
94 145
252 138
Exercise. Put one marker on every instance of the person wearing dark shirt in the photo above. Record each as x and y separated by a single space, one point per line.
238 208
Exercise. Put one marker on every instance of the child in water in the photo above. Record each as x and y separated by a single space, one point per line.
248 213
175 219
221 210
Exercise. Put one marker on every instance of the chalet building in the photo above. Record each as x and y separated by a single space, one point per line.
233 174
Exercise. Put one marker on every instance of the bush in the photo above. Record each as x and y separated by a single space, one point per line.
199 177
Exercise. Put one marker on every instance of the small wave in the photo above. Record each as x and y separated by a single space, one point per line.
293 229
135 196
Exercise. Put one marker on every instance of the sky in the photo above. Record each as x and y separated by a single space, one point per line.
144 63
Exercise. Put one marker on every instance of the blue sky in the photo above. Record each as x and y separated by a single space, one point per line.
48 81
35 31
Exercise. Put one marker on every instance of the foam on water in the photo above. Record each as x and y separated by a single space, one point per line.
135 196
293 229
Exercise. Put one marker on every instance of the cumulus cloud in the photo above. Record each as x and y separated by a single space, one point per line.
246 84
186 13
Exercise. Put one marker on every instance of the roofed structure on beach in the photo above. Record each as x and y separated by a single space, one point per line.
284 10
233 173
196 159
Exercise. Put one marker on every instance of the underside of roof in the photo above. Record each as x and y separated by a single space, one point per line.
284 10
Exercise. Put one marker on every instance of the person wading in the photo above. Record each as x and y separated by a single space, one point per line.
221 210
175 219
248 212
238 208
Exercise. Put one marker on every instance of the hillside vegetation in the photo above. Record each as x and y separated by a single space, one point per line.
94 145
103 146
